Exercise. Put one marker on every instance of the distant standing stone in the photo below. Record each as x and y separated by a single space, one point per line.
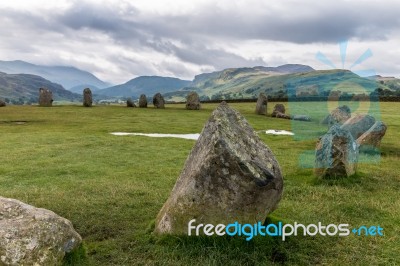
45 97
33 236
87 97
130 103
262 102
143 101
373 136
2 103
230 175
336 154
359 124
278 108
339 115
193 101
158 101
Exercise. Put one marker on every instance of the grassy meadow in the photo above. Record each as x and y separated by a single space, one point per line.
112 187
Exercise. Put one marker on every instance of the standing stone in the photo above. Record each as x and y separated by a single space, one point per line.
158 101
45 97
339 115
130 103
230 175
87 97
336 154
262 102
359 124
33 236
2 103
278 108
193 101
143 101
373 136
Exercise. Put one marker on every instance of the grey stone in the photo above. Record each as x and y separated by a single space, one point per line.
278 108
339 115
359 124
158 101
373 136
193 101
130 103
230 175
301 118
143 101
87 97
33 236
262 102
336 154
45 97
2 103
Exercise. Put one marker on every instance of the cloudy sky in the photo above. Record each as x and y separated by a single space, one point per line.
119 40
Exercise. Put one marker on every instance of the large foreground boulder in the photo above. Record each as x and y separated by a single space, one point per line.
262 102
87 97
33 236
45 97
2 103
373 136
230 175
193 101
143 101
359 124
158 101
336 154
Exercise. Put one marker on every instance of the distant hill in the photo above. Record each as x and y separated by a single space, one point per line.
148 85
26 86
68 77
79 89
282 81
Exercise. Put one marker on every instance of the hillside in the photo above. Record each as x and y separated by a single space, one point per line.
68 77
26 87
238 83
148 85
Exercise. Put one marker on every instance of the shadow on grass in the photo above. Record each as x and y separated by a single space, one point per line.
76 257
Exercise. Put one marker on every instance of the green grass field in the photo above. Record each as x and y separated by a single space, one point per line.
112 187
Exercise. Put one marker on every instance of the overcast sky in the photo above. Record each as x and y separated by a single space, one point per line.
119 40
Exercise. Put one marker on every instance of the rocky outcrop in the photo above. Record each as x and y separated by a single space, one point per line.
336 154
33 236
45 97
359 124
2 103
262 102
373 136
142 101
230 175
193 101
87 97
158 101
130 103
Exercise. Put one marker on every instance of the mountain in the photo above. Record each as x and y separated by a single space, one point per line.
68 77
79 89
286 80
26 86
148 85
